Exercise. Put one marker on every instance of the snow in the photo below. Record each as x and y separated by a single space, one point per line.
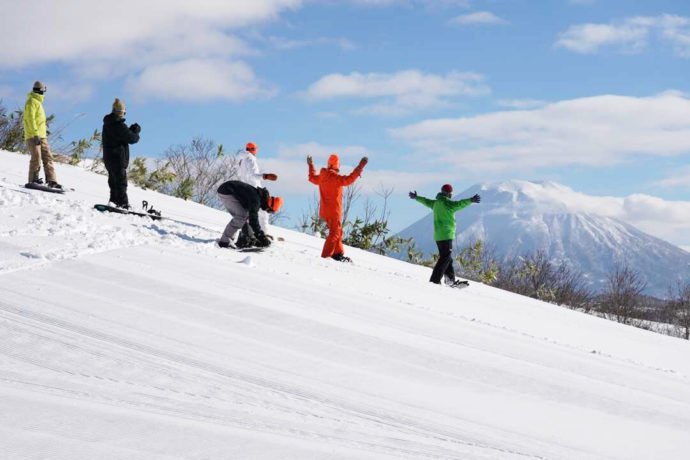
518 217
125 338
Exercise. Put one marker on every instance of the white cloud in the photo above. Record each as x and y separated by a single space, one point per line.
321 152
680 178
197 80
521 103
629 35
292 167
282 43
292 176
593 131
400 92
71 30
101 40
477 19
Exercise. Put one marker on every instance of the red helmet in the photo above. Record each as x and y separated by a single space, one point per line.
251 148
447 189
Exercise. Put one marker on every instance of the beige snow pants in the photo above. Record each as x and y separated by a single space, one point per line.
40 154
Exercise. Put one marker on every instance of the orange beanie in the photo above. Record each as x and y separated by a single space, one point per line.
334 162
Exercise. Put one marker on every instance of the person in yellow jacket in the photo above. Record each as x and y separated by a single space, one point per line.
36 137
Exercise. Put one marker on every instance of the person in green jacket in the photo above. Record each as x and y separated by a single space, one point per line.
444 230
36 137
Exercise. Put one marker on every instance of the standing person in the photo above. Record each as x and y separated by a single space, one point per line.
116 139
244 201
444 230
331 204
249 173
36 137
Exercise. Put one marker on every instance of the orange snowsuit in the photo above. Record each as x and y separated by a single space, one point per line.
331 204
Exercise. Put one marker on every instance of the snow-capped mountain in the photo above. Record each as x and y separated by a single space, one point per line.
517 217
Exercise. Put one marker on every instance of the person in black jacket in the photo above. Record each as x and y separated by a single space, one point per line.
116 139
244 201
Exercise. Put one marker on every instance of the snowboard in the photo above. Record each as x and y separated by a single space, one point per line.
106 208
252 249
43 188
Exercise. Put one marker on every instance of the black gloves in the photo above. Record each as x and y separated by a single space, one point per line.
262 241
413 195
475 199
135 128
36 140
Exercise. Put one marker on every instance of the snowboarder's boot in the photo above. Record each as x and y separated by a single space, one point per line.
227 244
53 184
341 258
243 241
459 284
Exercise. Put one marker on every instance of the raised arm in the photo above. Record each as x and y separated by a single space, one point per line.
313 177
352 177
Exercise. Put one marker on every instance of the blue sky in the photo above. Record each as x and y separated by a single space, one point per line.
591 94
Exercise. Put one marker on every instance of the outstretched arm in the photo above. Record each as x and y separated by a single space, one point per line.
425 201
458 205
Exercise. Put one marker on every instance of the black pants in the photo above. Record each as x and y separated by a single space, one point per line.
117 181
444 266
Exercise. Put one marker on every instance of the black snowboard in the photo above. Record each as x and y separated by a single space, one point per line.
43 188
252 249
106 208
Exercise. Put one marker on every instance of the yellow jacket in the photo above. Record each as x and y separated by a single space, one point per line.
34 117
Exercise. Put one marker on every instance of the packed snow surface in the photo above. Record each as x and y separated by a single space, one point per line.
124 338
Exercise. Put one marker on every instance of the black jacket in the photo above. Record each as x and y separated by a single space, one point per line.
251 198
116 139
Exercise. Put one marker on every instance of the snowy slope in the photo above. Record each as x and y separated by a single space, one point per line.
517 217
124 338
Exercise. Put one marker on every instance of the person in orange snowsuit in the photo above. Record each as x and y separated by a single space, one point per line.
331 204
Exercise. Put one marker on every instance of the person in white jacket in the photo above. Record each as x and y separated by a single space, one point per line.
249 173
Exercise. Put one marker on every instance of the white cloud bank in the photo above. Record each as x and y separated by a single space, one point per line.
593 131
398 93
197 80
103 39
629 35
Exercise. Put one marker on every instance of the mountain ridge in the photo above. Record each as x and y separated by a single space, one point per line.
516 217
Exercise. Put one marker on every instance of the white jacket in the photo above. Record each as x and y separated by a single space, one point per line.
248 171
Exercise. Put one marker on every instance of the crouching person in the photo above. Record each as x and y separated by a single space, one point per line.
243 202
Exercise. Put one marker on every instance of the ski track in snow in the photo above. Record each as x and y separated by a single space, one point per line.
125 338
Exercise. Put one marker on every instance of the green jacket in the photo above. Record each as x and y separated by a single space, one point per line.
34 117
444 214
